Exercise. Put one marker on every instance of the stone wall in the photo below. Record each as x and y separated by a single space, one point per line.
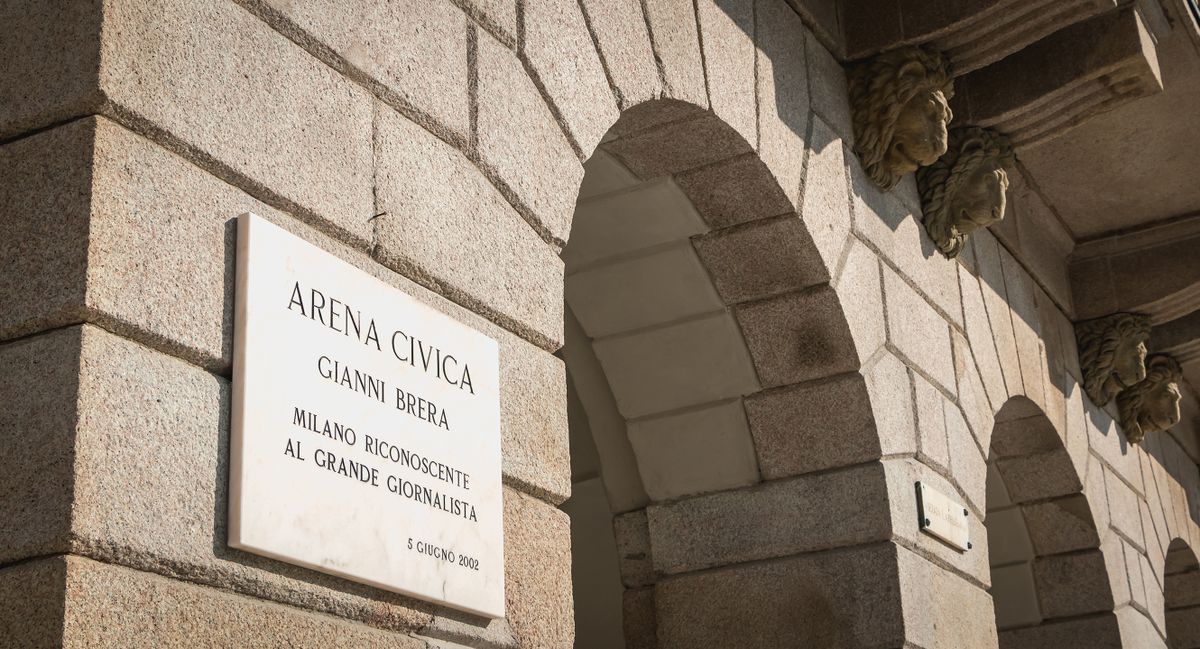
440 146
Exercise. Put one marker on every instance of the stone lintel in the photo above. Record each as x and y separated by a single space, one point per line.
1062 80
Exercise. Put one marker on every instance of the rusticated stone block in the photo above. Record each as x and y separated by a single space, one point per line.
1072 584
37 394
498 16
108 605
632 533
942 610
761 259
918 331
32 604
416 50
1040 476
45 199
790 440
777 519
521 143
559 49
670 148
537 573
783 104
798 337
1061 525
727 38
825 204
639 619
835 600
442 220
1100 632
226 84
677 45
735 191
830 95
51 55
620 30
860 289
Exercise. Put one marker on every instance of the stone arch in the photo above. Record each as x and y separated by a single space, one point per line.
1181 593
1050 584
730 425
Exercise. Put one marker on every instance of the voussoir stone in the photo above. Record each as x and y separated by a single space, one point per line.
761 259
521 143
677 45
32 605
620 30
727 39
417 50
782 85
798 336
222 81
442 219
559 48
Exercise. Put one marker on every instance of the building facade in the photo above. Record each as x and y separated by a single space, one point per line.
736 331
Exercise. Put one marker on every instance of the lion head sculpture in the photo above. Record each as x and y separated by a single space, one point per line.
900 103
965 189
1153 404
1112 354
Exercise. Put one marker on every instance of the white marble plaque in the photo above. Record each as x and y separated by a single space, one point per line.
943 517
366 428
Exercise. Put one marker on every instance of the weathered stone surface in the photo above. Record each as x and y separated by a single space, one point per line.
1100 632
1061 525
941 609
1123 510
620 30
967 460
416 50
222 81
1110 444
677 46
761 259
727 39
533 419
931 424
1137 630
45 199
521 143
559 49
971 395
1114 561
1072 584
1026 327
918 331
695 451
838 600
443 222
777 519
860 289
109 605
995 300
632 533
825 204
51 55
537 573
735 191
890 388
797 337
639 620
790 440
32 603
35 513
891 221
498 16
830 96
1035 477
783 105
678 146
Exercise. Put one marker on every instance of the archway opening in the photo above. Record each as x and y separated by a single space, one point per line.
1049 580
1181 591
684 251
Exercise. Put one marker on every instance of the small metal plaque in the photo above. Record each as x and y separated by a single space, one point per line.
941 517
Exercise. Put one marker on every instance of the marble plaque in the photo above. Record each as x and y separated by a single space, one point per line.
366 428
942 517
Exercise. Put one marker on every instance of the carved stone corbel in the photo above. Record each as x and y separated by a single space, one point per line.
1153 404
901 110
964 190
1112 354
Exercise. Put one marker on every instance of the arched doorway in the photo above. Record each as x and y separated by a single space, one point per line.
1049 582
700 329
1181 590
